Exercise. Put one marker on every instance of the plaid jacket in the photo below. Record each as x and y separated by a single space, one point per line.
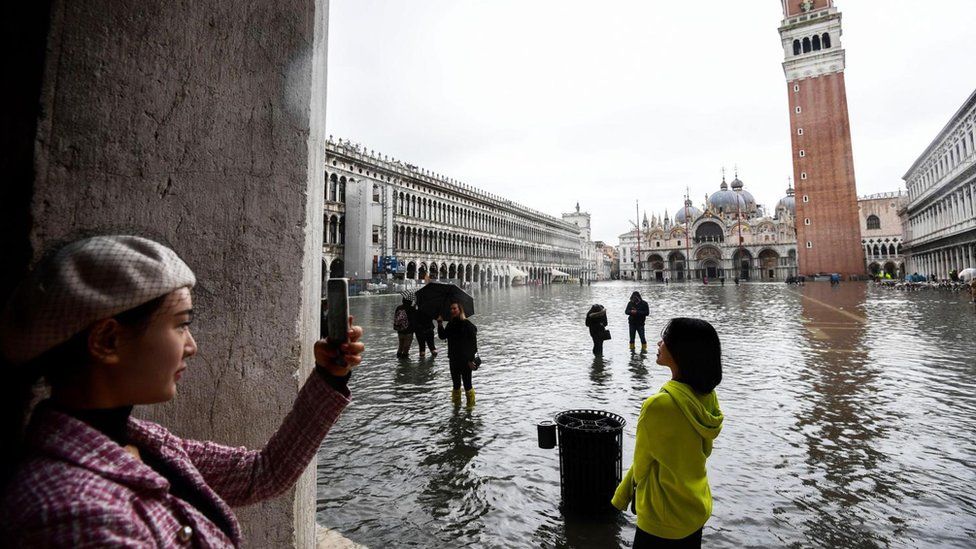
80 489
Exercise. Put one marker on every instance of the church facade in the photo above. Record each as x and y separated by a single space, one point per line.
730 236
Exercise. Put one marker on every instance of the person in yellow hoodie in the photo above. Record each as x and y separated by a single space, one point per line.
667 484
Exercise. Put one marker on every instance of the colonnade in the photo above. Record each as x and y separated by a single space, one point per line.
436 228
956 207
940 262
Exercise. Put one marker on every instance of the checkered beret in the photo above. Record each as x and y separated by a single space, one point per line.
86 281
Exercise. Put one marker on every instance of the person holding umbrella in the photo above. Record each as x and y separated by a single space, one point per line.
462 346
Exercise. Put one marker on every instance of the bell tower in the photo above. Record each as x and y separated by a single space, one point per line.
827 227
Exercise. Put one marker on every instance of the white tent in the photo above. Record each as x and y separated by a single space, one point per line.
557 272
517 272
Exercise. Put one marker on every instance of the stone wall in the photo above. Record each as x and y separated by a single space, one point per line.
196 123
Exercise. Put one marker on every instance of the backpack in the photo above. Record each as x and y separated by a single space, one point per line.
401 321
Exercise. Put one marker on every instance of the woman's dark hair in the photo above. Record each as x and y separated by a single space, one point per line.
637 295
596 308
57 366
694 345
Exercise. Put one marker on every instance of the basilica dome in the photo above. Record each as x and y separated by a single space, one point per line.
726 201
788 202
693 213
750 202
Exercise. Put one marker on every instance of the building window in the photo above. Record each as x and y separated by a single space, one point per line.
806 221
806 198
796 87
796 48
803 175
826 40
874 222
802 153
809 244
376 193
798 110
799 131
376 234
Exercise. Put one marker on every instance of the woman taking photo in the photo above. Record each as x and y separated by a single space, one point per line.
105 323
667 482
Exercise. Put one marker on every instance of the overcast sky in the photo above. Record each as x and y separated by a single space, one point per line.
553 102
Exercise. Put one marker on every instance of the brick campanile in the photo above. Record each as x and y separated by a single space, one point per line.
827 230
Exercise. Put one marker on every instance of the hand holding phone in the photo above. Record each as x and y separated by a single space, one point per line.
337 314
340 359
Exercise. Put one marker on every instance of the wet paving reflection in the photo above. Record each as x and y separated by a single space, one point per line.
847 420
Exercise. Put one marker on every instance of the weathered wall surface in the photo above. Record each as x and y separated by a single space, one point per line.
196 123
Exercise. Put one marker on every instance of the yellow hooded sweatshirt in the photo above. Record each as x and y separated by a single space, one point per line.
674 438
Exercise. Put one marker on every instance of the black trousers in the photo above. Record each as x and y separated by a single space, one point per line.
639 329
597 344
460 371
643 540
426 338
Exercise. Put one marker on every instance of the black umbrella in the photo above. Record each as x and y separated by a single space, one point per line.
435 299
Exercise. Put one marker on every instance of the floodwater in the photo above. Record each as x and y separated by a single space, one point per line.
850 416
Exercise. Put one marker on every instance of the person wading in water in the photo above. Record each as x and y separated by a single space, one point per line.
596 321
668 482
637 311
462 346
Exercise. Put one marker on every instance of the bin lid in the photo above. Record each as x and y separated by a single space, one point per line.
590 420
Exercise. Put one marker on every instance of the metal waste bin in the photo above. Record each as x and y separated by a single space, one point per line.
590 456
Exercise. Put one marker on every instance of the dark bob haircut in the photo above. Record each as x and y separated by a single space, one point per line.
694 345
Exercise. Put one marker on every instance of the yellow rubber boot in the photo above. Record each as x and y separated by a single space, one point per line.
643 347
469 396
631 346
456 396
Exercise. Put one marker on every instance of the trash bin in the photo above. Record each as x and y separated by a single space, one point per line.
590 455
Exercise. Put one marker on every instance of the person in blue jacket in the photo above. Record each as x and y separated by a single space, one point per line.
637 311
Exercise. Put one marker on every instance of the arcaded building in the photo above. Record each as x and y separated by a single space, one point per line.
823 162
881 233
731 236
410 223
940 215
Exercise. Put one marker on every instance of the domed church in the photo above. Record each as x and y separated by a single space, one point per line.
731 236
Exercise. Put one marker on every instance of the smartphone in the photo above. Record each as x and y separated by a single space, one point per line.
337 313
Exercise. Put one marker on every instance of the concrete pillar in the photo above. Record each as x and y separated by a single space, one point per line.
201 124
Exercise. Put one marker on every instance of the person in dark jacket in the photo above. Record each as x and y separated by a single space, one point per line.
637 311
423 327
403 326
462 346
596 321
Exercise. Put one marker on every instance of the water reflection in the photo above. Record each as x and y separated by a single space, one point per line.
416 373
839 417
638 370
600 372
452 492
846 409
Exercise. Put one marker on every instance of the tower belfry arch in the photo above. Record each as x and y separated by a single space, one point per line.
827 225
